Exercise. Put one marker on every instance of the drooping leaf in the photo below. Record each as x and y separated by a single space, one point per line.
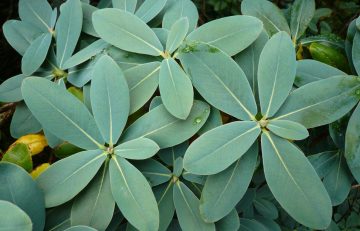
179 9
23 122
164 197
302 11
94 206
276 73
176 89
230 34
321 102
137 149
149 9
133 195
18 187
166 130
272 17
63 180
126 31
352 144
68 29
50 102
309 70
14 218
126 5
36 53
154 171
205 156
288 129
110 100
210 68
20 34
224 190
187 209
177 34
292 176
36 12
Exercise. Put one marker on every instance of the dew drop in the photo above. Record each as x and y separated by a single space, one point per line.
197 120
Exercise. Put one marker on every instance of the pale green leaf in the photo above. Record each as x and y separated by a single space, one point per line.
137 149
149 9
154 171
230 222
10 89
302 11
323 162
177 34
356 52
126 5
80 228
13 218
23 122
87 25
164 197
288 129
179 9
36 12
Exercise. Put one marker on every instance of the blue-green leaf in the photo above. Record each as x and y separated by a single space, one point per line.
133 195
250 224
165 129
290 175
110 100
143 81
94 206
87 25
230 222
80 228
13 218
288 129
149 9
63 180
179 9
169 155
321 102
302 11
187 209
68 29
213 121
49 102
36 12
10 89
18 187
126 31
137 149
154 171
276 73
205 156
272 17
126 5
58 218
176 89
210 68
36 53
356 51
164 197
224 190
323 162
230 34
177 34
23 122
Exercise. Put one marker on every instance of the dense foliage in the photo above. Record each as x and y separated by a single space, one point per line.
146 115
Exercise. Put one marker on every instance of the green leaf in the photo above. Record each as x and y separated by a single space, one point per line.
126 5
13 218
321 102
323 162
230 222
205 156
162 35
154 171
18 187
94 206
87 25
177 34
187 209
20 34
224 190
36 12
133 195
80 228
180 9
36 53
352 144
10 89
210 68
292 176
49 102
230 34
166 130
85 54
63 180
248 60
276 73
137 149
149 9
58 218
68 29
272 17
143 81
268 223
126 31
23 122
356 52
288 129
110 100
302 11
169 155
164 197
20 155
338 181
83 73
176 89
213 121
266 208
250 224
309 70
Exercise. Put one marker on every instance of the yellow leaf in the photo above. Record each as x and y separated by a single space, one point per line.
40 169
35 142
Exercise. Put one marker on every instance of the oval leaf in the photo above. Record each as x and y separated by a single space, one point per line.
37 12
149 9
180 9
126 5
302 11
13 218
137 149
10 89
177 34
288 129
23 122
